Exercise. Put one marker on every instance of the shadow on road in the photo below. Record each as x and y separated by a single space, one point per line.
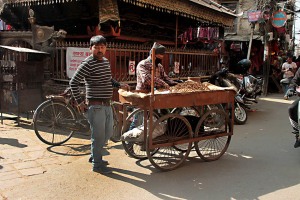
12 142
70 149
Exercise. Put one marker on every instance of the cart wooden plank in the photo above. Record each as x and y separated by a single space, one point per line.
174 100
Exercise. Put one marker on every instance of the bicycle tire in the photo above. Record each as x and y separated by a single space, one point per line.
53 122
116 125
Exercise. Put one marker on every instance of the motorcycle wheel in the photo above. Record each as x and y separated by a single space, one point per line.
240 115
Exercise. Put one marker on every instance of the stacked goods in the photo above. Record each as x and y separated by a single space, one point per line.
189 86
186 87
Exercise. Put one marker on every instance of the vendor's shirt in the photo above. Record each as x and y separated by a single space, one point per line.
290 73
143 73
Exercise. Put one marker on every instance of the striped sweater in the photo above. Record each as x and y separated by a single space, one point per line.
97 77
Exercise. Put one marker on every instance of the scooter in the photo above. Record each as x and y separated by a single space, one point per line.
220 78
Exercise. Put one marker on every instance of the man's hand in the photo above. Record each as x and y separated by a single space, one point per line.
82 107
125 86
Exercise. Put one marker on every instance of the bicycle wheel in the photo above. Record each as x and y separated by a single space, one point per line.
53 122
213 123
136 149
193 116
177 128
117 127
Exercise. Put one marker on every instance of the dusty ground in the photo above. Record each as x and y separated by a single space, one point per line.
260 163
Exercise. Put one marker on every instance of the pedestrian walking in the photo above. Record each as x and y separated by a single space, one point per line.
288 69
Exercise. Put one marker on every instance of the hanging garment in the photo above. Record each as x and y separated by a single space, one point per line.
235 46
190 34
198 32
195 33
203 32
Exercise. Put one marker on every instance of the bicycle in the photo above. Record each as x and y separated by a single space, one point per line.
57 119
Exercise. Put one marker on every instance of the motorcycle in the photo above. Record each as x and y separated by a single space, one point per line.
250 87
220 78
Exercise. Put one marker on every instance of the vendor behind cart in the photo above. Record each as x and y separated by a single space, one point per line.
143 71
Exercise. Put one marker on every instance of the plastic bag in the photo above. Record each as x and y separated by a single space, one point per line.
137 134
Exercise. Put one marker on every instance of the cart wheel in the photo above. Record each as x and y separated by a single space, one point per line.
213 123
193 116
136 149
171 128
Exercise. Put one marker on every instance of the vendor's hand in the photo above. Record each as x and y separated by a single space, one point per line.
173 84
166 86
82 107
125 86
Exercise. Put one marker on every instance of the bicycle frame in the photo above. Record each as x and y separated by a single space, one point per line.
81 122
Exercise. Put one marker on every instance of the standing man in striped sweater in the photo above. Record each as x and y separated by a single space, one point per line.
96 73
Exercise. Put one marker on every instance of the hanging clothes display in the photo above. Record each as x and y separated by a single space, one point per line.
201 33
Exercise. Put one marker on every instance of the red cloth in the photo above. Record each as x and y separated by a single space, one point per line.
280 30
8 27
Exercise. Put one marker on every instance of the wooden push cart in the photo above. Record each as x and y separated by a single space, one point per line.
199 120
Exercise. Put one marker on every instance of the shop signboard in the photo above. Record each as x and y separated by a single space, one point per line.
131 67
253 15
176 67
279 19
74 57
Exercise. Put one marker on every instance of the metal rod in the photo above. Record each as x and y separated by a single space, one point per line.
151 102
152 71
250 43
176 32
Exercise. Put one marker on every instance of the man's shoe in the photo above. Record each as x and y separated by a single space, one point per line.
285 97
104 162
297 144
102 170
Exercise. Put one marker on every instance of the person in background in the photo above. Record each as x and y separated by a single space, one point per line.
95 71
288 69
298 62
144 67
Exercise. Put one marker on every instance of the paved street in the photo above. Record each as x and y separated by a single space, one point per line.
260 163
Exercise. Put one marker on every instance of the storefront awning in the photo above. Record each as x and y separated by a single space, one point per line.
23 50
203 10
